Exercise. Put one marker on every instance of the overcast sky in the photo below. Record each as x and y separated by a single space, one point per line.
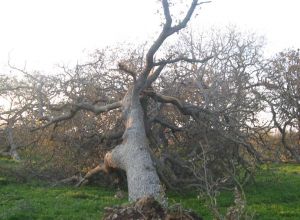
44 33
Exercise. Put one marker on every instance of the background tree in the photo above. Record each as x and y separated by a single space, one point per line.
17 95
282 87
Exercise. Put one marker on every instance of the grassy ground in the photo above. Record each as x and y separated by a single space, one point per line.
275 195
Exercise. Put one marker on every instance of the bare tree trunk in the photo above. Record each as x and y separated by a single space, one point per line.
133 154
293 152
13 146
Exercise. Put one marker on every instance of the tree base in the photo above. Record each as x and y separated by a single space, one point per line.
148 209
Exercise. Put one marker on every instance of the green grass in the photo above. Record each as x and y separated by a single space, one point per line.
274 195
38 202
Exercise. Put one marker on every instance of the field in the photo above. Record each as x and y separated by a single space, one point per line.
274 195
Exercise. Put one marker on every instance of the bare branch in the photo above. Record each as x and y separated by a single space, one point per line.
81 106
185 108
127 70
167 125
187 17
165 33
153 76
186 59
167 14
99 109
22 71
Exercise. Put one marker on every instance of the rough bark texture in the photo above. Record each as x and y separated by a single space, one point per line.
133 154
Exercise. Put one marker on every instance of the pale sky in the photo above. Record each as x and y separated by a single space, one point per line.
44 33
